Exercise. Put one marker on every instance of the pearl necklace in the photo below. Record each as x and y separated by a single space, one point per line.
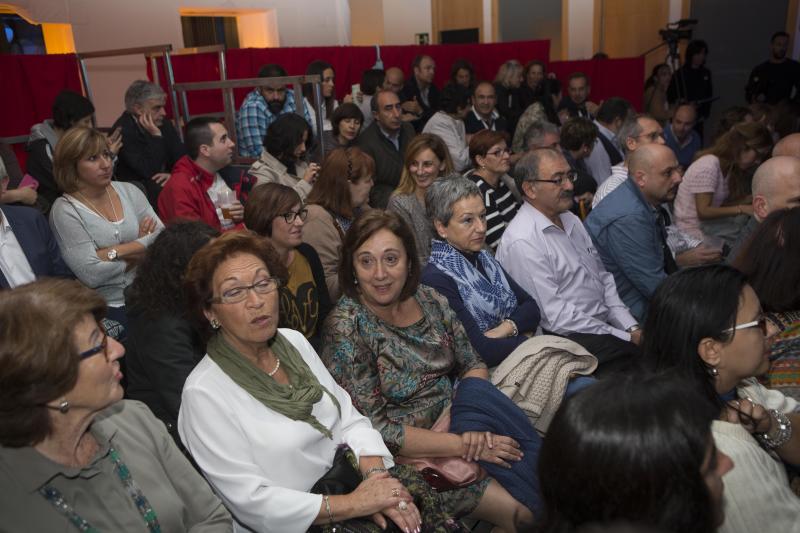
277 366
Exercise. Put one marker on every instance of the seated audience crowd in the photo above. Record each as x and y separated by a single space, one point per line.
409 309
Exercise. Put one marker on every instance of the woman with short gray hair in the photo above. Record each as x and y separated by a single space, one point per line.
495 310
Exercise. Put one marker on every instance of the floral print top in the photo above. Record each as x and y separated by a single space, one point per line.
398 375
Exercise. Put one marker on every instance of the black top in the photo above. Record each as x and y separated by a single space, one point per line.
411 91
692 85
388 160
40 166
509 105
143 155
772 82
574 109
473 123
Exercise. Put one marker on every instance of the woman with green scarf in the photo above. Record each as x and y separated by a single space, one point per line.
262 416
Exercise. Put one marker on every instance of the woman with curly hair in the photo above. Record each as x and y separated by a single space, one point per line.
163 346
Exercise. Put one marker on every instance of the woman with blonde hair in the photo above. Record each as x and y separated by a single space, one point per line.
716 187
102 227
426 159
507 85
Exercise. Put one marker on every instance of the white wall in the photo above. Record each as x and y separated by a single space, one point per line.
580 17
111 24
403 18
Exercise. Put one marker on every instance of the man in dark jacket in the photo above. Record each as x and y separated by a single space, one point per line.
385 140
150 143
420 89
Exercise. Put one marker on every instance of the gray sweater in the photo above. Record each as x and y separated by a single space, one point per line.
80 232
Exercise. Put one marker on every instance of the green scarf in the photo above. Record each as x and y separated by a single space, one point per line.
294 402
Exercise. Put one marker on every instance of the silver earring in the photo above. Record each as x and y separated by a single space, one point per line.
355 279
63 406
215 324
713 371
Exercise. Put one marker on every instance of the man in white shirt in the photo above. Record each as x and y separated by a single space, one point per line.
548 252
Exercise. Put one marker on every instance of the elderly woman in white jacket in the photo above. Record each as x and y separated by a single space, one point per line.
262 416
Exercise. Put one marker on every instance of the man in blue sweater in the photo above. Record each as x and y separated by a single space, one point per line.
628 226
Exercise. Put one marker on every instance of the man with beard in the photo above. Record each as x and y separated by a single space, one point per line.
776 79
195 187
150 143
629 228
547 250
260 109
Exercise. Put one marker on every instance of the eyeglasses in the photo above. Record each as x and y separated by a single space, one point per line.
239 294
500 152
102 347
653 136
761 324
291 215
560 177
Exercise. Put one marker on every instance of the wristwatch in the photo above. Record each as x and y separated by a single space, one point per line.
112 254
633 328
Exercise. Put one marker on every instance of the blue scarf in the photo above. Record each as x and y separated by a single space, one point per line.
489 299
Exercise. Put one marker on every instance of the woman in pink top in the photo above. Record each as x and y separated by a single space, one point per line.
717 185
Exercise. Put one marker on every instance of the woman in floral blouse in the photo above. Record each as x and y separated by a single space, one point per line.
398 349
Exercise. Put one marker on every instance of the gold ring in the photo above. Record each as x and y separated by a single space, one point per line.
395 492
403 506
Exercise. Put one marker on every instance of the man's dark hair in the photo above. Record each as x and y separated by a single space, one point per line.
694 48
576 75
454 97
576 132
479 83
778 34
272 70
286 134
371 80
612 109
418 60
198 132
69 107
373 104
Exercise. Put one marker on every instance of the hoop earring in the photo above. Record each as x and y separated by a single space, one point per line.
64 406
215 324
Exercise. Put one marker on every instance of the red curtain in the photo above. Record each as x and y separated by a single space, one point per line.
30 84
348 62
608 77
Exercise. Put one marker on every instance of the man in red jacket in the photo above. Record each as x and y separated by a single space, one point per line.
195 190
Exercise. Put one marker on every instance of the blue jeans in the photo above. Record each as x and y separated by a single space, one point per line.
577 384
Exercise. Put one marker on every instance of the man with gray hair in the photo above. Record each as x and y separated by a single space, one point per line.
548 252
150 143
541 135
776 186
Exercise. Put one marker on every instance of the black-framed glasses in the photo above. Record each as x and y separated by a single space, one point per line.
102 347
559 178
291 215
761 324
235 295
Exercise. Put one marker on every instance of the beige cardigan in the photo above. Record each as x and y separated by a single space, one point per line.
267 169
322 233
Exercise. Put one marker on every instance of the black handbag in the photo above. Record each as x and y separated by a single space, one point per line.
343 478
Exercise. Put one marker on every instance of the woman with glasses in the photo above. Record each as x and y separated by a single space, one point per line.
490 155
74 456
276 211
706 324
102 227
263 418
716 187
340 194
426 159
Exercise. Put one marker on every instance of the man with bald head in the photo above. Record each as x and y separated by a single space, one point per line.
789 145
547 250
681 136
776 185
394 80
628 226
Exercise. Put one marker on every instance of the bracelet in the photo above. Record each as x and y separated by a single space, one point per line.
328 507
373 470
784 431
514 330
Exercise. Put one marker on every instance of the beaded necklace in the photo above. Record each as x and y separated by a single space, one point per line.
54 496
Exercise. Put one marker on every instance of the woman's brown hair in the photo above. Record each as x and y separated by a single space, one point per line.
265 203
38 355
423 141
360 231
482 142
340 167
199 279
729 146
76 144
